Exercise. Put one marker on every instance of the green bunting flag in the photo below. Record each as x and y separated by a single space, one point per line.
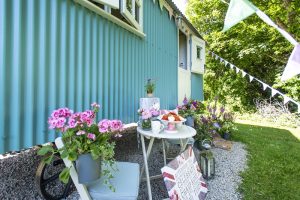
237 11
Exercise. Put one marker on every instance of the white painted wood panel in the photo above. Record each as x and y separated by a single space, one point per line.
198 63
184 84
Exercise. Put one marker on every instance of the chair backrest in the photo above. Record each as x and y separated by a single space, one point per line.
82 189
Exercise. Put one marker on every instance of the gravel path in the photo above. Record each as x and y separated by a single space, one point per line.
17 172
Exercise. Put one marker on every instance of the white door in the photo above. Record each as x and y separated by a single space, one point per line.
184 84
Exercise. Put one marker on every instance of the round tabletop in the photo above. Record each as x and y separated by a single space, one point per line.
183 132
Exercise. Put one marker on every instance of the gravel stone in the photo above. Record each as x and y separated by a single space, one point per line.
17 172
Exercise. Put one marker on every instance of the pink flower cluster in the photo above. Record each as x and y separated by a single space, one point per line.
88 135
59 117
147 114
106 125
63 119
86 117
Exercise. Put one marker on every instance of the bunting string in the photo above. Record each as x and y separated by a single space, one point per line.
286 99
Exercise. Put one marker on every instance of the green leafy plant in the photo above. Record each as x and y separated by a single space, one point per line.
150 86
252 45
82 135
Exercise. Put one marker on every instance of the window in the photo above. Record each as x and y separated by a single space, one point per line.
129 11
132 11
182 50
199 52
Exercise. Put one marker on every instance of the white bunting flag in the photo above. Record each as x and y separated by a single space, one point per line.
221 59
170 14
293 66
251 78
231 66
265 86
274 92
286 99
237 11
237 70
226 63
244 73
216 57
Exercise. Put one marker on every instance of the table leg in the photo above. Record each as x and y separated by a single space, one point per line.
183 144
149 149
145 154
164 152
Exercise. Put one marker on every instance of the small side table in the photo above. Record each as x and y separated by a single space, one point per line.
184 132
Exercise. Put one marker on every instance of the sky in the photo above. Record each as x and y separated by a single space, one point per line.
181 4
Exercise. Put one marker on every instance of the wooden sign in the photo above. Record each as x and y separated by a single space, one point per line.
183 178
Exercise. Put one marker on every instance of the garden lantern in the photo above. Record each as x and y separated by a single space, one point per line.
207 164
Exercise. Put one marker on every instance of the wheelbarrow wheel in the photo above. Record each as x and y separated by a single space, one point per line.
47 180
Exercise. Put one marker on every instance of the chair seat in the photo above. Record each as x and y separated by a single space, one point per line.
126 183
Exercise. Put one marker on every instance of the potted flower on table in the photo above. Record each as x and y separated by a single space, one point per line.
189 109
85 142
146 116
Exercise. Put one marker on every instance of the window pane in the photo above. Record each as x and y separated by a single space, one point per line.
129 5
137 12
198 52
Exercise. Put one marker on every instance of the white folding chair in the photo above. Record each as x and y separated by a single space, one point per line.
126 181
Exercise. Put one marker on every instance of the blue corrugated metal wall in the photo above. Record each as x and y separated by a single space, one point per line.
197 86
58 53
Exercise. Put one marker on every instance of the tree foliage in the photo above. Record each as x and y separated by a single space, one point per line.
252 45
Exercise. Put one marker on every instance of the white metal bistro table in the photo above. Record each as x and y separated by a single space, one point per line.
184 132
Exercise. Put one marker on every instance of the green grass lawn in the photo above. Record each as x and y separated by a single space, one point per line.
273 163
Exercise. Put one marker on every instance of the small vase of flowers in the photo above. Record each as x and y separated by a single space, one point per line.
146 116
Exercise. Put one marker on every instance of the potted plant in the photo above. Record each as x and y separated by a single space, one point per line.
150 87
189 109
85 142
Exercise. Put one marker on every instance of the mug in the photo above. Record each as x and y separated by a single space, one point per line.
156 126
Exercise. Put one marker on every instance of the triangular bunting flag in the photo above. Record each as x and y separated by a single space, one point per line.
293 66
274 92
251 78
264 86
217 57
221 59
237 11
286 99
170 14
226 62
243 73
237 70
161 4
231 66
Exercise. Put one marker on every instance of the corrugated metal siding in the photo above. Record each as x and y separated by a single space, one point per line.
197 86
57 53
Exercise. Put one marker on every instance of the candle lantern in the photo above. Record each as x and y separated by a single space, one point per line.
207 164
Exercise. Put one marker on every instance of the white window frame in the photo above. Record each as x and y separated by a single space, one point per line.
130 16
111 3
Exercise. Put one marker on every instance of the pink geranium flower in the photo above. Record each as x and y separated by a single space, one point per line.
104 125
116 125
80 132
91 136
